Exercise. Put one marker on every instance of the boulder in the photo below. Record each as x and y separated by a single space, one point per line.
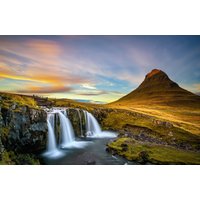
25 129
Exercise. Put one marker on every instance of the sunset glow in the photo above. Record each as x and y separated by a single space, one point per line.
94 68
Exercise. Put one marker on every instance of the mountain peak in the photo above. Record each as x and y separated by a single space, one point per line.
154 72
157 73
157 79
157 88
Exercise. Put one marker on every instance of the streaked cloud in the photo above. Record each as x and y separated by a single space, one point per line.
45 90
197 86
88 86
102 68
91 93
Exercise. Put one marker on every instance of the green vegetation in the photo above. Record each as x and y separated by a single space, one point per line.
4 133
73 104
12 158
8 100
118 119
156 154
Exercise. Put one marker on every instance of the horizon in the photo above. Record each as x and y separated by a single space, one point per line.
94 68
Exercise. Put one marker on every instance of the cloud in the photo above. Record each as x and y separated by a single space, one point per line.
197 86
37 62
89 101
44 47
92 93
45 90
89 86
142 58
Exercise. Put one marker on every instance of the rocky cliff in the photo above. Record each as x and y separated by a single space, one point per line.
23 129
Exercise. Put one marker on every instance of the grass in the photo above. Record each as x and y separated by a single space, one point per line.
118 119
74 104
7 100
186 118
155 154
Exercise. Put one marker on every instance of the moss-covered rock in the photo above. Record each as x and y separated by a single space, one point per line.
13 158
23 129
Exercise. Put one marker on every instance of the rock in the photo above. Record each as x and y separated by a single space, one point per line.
14 106
91 162
26 129
38 127
170 134
124 147
77 119
143 157
162 123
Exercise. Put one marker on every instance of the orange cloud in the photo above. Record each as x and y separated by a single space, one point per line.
39 62
45 90
197 86
43 47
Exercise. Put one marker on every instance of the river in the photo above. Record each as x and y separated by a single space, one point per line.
93 152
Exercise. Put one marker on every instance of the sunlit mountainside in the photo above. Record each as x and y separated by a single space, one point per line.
158 89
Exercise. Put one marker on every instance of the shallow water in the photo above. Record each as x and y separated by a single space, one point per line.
87 151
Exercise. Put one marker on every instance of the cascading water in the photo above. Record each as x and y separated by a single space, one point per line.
52 150
93 128
67 139
52 139
67 132
80 120
65 113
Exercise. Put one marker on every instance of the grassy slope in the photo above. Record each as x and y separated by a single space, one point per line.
186 118
8 100
156 154
186 121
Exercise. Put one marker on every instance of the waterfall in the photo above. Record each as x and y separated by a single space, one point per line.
52 150
67 132
80 120
93 128
52 139
67 139
65 113
85 116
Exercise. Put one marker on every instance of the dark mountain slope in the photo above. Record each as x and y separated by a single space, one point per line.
158 88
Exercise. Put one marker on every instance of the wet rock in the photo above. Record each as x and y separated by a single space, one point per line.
91 162
77 119
14 106
25 130
100 114
38 127
143 157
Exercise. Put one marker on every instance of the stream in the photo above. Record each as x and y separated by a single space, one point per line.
93 152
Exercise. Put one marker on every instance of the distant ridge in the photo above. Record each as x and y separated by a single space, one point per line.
158 88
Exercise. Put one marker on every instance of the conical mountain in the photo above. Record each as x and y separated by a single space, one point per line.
158 88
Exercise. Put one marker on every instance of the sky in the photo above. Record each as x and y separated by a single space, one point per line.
94 68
